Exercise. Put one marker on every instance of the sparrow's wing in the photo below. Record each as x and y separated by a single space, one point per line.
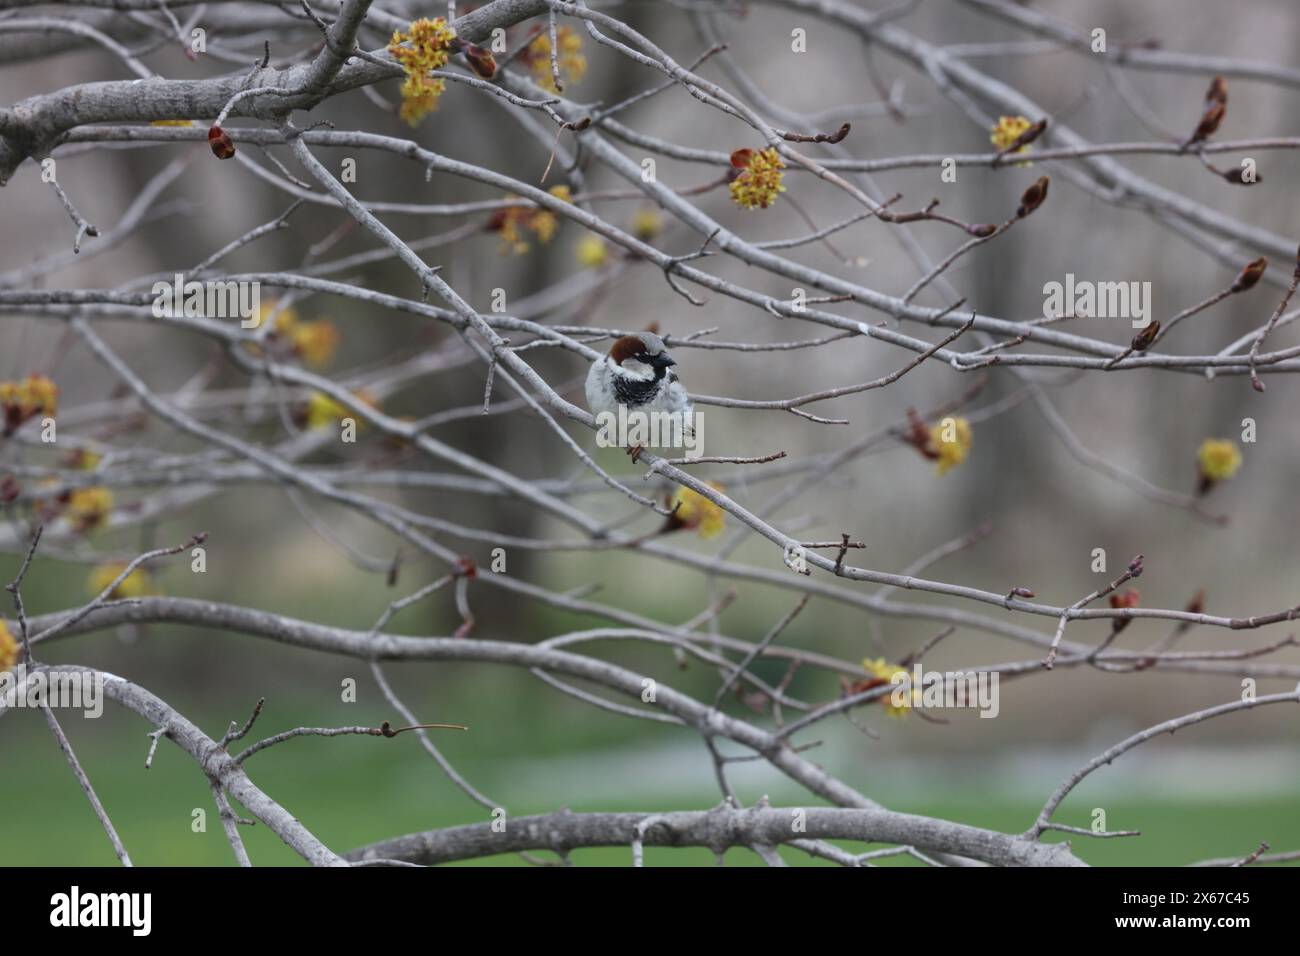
675 397
600 395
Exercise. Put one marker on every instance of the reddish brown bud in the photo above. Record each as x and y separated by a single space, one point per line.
852 689
672 522
1217 93
918 435
9 489
1129 598
465 567
1237 176
1250 275
1033 197
496 220
741 157
1027 137
480 60
222 146
1142 341
1209 123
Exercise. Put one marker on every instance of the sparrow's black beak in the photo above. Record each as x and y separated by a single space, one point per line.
662 360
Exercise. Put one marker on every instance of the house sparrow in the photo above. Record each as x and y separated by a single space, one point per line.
636 376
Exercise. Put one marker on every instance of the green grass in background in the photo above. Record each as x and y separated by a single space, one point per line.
352 791
523 747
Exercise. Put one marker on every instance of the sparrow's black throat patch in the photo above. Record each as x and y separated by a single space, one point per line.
636 391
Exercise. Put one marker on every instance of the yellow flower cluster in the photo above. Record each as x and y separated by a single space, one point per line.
285 316
83 459
314 342
9 649
883 673
569 58
425 46
513 221
693 510
1007 130
759 181
19 401
592 251
172 123
88 508
139 583
646 224
323 411
1218 459
950 443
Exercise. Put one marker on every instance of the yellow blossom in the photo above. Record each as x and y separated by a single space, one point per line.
172 123
646 224
83 459
883 673
88 508
512 221
10 650
42 395
693 510
759 181
1007 130
285 316
323 411
592 252
419 99
544 224
315 342
425 46
1218 459
19 401
139 583
949 443
569 58
508 222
